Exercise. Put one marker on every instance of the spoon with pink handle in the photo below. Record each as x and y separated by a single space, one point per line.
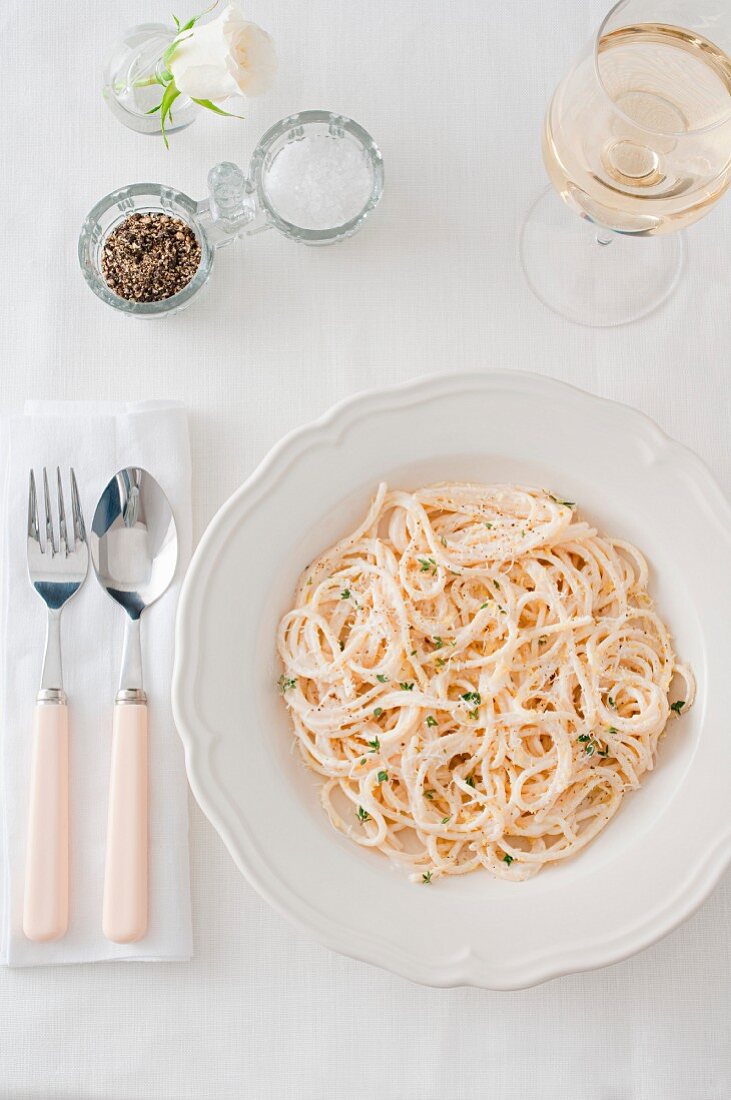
134 548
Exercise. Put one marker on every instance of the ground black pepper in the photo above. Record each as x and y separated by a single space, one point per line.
150 257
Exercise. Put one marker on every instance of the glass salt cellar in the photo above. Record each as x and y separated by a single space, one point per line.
314 177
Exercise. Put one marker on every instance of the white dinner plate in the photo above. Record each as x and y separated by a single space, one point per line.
670 841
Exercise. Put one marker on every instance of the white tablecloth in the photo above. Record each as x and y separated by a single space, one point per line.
454 93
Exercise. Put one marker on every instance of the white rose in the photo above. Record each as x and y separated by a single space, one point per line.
226 57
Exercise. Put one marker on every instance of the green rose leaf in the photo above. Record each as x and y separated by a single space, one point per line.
210 106
169 96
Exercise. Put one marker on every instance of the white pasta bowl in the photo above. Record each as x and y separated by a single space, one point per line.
665 849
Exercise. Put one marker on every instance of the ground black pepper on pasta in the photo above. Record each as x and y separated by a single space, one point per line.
150 257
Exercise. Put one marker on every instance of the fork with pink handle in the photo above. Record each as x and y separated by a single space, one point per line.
57 567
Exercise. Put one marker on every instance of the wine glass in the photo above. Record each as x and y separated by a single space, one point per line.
637 141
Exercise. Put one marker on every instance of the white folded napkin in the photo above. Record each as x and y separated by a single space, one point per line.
97 439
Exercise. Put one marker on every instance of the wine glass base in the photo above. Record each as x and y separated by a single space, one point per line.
590 275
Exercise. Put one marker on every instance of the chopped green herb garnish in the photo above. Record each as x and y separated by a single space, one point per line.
611 703
590 749
381 678
677 707
496 583
489 526
345 594
437 642
426 877
363 815
445 820
286 684
583 737
406 686
428 565
472 697
473 714
430 721
413 653
440 662
429 795
383 777
604 752
508 859
564 503
483 606
375 744
611 729
378 712
443 541
470 780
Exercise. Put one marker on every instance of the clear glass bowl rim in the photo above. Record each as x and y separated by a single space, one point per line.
289 229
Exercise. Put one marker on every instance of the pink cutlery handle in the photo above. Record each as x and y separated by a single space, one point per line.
46 898
124 917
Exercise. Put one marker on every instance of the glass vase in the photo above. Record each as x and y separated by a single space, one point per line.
131 89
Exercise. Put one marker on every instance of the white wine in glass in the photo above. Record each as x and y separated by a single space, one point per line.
637 140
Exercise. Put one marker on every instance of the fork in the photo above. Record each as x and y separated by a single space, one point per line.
57 568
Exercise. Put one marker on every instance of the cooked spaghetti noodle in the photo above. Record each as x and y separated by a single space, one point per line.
478 676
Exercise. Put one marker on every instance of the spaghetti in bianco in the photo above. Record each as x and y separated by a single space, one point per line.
478 676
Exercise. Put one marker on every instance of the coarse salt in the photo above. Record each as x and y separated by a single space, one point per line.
319 182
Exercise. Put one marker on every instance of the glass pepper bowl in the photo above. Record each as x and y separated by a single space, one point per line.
109 212
314 177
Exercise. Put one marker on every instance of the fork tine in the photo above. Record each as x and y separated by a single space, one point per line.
76 513
62 541
50 541
33 532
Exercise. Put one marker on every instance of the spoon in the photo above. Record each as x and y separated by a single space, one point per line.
134 548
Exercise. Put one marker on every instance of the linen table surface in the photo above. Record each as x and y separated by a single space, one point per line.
454 93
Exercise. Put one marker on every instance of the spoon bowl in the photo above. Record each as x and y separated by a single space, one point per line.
134 543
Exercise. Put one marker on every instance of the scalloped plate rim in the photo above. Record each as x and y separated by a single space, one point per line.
466 967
